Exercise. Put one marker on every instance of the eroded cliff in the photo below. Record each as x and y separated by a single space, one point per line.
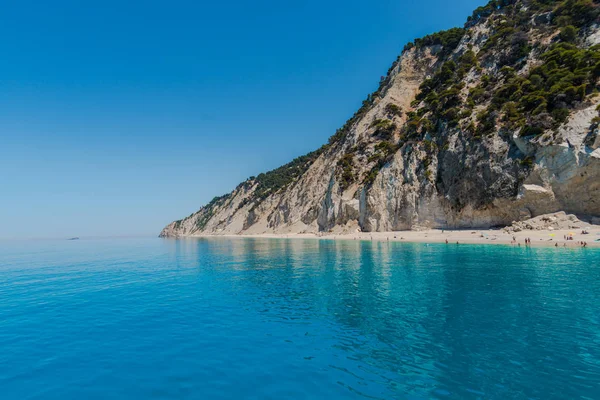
473 127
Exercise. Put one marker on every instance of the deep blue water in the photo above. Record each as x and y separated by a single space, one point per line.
296 319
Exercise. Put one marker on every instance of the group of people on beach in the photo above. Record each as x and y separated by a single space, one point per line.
581 244
514 241
570 237
447 240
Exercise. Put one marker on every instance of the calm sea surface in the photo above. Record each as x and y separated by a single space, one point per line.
296 319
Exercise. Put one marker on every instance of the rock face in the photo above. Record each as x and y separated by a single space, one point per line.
555 221
414 157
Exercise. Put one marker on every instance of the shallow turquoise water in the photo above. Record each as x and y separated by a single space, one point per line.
296 319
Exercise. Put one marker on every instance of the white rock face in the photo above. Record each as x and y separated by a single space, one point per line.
467 183
554 221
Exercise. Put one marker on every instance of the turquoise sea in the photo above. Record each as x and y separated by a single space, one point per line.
296 319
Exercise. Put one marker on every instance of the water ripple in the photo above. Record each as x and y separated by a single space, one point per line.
293 319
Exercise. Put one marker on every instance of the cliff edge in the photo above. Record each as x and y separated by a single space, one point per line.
472 127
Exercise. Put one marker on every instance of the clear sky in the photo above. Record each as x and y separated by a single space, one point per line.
117 117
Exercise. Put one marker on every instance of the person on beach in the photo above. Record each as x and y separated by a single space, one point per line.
446 241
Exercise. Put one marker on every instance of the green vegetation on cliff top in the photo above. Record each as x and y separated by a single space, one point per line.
534 102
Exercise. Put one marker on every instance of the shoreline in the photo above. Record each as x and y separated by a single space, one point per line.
539 238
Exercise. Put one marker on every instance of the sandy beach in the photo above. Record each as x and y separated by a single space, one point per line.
538 238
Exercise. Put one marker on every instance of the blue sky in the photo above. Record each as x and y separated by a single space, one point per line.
118 118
